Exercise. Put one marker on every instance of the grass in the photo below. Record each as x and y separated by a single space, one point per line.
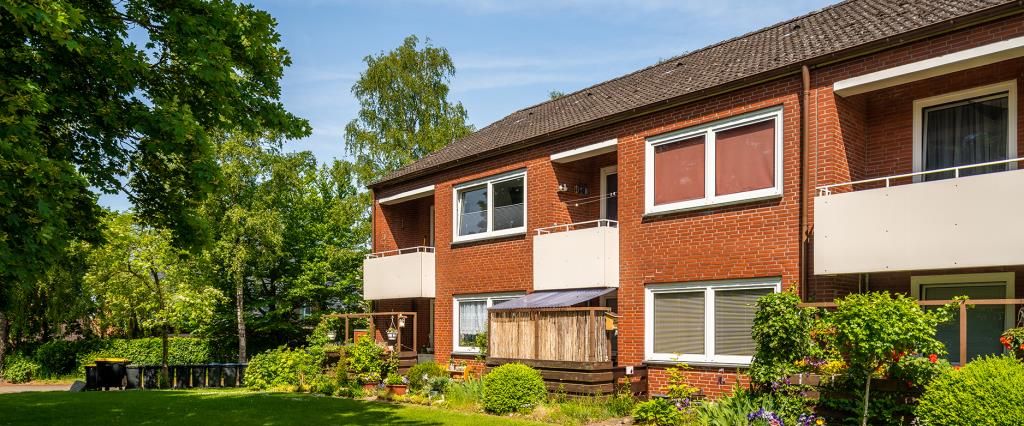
221 407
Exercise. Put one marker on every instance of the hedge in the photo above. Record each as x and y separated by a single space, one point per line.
148 351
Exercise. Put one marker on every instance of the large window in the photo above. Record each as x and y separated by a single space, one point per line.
967 127
985 323
732 160
705 322
491 207
470 318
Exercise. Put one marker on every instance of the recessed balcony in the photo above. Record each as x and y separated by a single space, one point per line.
965 220
399 274
577 255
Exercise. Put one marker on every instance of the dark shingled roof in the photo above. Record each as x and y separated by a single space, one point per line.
830 30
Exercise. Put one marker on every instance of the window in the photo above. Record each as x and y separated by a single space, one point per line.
733 160
492 207
470 318
985 323
705 322
967 127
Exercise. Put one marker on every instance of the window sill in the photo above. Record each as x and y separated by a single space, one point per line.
667 211
487 237
667 363
464 352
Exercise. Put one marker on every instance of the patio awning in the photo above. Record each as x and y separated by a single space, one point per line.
553 299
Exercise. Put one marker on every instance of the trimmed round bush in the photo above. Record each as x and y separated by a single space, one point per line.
513 388
421 374
986 391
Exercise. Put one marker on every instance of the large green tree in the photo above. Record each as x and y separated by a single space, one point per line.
139 278
404 109
122 96
288 233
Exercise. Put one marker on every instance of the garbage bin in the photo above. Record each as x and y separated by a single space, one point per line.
213 375
111 372
150 377
181 376
230 375
133 375
198 375
91 379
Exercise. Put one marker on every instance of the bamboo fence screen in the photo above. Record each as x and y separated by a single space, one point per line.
556 334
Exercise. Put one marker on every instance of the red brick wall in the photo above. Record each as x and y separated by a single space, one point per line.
851 138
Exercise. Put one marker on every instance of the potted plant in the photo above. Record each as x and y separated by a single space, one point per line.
370 381
1013 341
397 384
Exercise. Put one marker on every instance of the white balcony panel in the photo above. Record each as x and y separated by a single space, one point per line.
399 276
954 223
580 258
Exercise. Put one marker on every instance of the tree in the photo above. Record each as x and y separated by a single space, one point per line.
872 330
122 96
555 94
287 233
139 277
404 109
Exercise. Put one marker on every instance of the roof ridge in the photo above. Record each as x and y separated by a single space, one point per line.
676 57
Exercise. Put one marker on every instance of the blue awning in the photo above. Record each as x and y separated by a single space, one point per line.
553 299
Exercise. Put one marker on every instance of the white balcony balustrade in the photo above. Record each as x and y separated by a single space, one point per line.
399 274
577 255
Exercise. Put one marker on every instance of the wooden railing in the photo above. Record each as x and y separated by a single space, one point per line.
964 305
553 334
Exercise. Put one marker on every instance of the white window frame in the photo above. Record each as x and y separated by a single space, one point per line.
489 182
605 171
965 280
456 300
1010 87
708 131
709 288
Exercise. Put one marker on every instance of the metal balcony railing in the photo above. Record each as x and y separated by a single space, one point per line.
888 180
578 225
417 249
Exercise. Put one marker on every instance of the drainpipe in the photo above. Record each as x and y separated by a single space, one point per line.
805 74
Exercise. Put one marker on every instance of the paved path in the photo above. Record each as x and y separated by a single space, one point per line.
8 388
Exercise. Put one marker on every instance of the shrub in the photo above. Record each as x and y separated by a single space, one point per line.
986 391
918 370
148 351
782 336
513 388
1013 340
731 410
18 368
60 357
421 374
283 369
658 412
365 359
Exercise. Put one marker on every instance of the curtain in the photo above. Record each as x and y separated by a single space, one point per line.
963 133
472 319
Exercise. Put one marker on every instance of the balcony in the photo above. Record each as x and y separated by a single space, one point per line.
577 255
962 222
399 274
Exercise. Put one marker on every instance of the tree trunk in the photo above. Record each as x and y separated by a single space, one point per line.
164 370
240 312
867 392
3 337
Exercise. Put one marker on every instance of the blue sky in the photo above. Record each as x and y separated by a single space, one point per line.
508 54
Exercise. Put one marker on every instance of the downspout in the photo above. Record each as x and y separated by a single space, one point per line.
805 74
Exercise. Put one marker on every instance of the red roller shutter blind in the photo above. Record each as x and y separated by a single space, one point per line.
679 171
745 158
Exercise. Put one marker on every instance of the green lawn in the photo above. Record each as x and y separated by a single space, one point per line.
223 407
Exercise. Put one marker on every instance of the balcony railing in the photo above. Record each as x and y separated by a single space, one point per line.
576 255
578 225
417 249
889 180
399 274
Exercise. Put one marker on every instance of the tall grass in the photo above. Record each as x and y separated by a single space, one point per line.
464 395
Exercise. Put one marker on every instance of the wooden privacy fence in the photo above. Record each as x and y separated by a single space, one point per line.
551 334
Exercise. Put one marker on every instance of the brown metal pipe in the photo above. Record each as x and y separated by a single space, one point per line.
805 74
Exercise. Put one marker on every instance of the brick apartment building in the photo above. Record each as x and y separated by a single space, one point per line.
676 195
